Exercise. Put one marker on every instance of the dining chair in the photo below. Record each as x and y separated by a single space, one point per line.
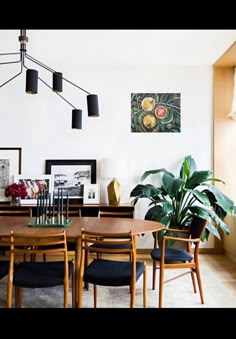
174 258
110 272
39 274
71 245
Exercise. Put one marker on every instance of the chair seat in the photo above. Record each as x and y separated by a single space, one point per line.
111 273
40 274
4 267
171 255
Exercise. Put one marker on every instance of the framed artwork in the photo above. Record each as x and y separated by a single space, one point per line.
91 194
155 112
10 165
72 175
33 186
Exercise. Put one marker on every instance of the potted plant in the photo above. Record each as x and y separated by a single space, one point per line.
178 198
16 192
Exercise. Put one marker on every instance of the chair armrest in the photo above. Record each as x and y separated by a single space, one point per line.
181 239
175 230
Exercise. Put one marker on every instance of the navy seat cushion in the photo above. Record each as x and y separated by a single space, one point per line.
40 274
171 255
4 267
111 273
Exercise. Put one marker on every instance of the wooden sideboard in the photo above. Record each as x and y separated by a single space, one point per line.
93 210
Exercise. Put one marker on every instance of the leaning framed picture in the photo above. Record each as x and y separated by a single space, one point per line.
33 186
10 165
91 194
72 175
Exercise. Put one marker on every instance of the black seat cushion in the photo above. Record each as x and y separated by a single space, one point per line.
111 273
171 255
40 274
4 267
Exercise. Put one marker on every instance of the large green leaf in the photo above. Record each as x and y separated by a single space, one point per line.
187 168
220 223
171 185
144 191
156 213
200 196
197 178
161 170
211 228
223 201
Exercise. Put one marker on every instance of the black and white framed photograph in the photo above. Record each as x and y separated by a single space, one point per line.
91 194
72 175
10 165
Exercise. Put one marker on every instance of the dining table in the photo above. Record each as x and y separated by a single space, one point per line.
20 224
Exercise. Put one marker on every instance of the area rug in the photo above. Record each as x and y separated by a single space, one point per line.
177 294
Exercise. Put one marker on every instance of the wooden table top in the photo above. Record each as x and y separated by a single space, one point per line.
19 224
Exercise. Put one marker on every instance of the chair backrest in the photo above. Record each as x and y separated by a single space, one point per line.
26 211
197 227
21 243
119 243
116 214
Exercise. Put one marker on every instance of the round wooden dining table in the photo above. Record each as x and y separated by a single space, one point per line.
19 224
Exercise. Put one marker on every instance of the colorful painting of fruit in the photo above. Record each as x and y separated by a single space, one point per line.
155 112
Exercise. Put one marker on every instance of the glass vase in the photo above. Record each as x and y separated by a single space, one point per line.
15 201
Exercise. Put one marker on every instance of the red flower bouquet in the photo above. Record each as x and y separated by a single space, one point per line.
16 190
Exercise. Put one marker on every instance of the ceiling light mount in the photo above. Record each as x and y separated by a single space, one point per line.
32 78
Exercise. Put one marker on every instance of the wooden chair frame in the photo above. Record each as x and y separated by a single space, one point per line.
96 238
192 266
38 244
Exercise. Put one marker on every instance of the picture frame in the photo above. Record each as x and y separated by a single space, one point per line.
10 165
91 194
72 175
33 186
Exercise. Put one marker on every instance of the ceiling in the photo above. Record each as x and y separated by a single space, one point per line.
123 47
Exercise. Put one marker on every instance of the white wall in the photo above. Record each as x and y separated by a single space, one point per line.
41 124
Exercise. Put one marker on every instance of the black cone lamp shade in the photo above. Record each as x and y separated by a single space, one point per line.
57 81
31 81
77 118
92 103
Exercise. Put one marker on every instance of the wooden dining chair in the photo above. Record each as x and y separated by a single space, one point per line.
39 274
110 272
71 245
174 258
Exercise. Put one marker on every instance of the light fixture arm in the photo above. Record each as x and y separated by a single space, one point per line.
38 62
32 81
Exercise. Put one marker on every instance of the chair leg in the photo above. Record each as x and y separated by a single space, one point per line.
193 281
199 284
161 285
86 260
145 287
132 296
73 287
95 296
18 297
154 275
66 291
9 293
